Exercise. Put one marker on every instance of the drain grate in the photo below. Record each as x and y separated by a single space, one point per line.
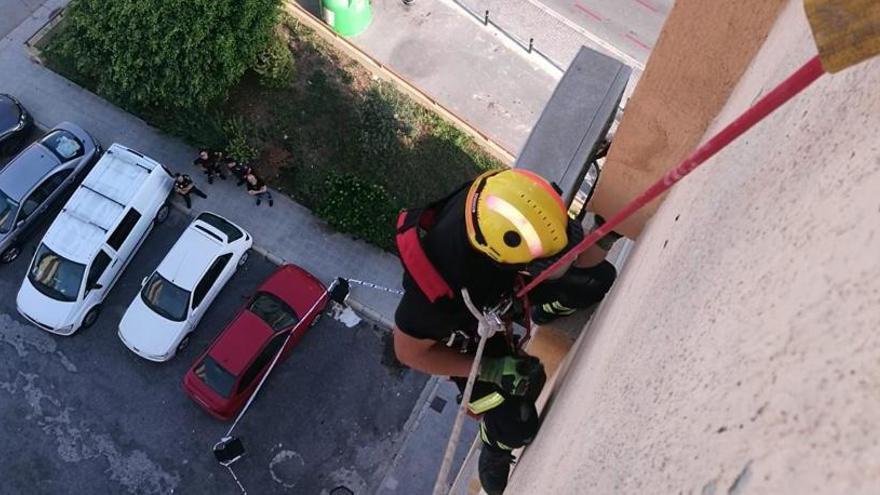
438 404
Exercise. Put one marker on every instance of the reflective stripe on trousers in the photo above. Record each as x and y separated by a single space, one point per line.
483 404
485 438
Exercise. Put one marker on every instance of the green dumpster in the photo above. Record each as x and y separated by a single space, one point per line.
347 17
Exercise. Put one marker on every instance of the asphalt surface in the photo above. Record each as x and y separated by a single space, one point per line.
83 414
632 26
15 11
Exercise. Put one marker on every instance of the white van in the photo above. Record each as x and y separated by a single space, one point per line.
92 240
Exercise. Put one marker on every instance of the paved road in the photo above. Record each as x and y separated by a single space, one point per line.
84 415
15 11
632 26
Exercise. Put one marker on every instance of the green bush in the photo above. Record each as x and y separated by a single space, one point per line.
239 143
360 208
275 64
165 53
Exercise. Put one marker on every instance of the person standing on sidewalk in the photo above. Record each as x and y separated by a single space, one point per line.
209 162
257 187
487 237
184 185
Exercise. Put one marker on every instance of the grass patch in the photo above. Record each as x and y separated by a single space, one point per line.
351 148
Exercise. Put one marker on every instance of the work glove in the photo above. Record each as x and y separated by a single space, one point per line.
518 376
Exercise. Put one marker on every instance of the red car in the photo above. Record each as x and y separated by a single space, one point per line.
225 376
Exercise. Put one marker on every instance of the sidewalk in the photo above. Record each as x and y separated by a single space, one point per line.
288 230
556 36
474 71
415 468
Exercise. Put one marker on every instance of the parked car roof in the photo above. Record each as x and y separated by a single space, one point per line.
36 161
31 165
190 257
99 202
247 334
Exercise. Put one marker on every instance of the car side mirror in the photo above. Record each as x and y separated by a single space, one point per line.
144 281
19 223
95 285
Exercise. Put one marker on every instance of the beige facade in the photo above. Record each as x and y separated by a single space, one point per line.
700 55
739 352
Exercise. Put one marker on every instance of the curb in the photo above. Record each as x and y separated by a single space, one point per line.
370 314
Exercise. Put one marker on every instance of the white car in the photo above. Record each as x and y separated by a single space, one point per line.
172 300
93 239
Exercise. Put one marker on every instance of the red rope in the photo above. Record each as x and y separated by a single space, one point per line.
797 82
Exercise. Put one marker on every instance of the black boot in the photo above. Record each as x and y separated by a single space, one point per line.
494 468
547 312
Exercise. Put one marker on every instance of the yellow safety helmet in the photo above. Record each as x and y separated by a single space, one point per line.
515 216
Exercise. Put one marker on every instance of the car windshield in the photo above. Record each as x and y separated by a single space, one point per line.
273 311
55 276
64 144
165 298
220 380
8 207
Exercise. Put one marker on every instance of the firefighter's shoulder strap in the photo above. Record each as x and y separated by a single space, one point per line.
409 245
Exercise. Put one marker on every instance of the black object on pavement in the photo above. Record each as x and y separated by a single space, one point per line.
228 450
340 290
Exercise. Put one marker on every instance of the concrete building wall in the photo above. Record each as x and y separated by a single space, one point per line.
739 352
689 76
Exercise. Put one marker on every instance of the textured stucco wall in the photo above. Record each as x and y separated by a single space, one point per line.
701 53
740 350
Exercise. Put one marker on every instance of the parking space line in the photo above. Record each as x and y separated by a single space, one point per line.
649 6
632 37
588 11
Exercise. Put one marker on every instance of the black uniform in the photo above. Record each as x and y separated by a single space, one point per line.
515 422
211 165
238 171
183 185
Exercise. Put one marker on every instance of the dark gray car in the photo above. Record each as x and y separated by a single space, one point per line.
37 177
15 123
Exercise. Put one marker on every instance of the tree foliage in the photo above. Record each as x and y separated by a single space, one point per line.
274 64
159 53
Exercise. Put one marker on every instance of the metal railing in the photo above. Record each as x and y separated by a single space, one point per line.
529 47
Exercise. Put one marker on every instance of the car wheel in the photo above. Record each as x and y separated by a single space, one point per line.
91 317
10 254
162 214
244 258
183 342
